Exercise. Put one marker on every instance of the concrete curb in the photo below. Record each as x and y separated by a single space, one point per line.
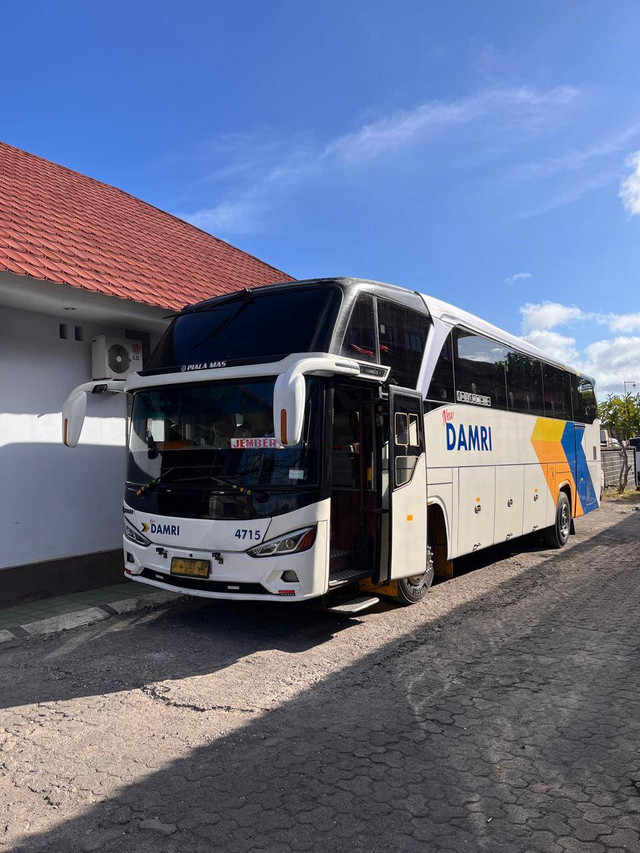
88 616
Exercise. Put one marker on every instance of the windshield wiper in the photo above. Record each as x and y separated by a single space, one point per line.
159 481
152 483
224 323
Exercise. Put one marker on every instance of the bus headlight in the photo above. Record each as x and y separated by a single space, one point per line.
134 535
290 543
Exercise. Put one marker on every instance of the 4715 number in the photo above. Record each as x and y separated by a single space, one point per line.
243 533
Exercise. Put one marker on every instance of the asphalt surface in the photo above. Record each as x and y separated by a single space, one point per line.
501 714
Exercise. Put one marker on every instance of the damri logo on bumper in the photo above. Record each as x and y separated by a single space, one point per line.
162 529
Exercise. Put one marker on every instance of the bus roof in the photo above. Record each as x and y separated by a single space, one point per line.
455 316
444 311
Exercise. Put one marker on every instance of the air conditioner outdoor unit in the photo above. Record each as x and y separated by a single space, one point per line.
114 358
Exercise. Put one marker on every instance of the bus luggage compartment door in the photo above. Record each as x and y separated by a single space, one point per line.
476 507
407 485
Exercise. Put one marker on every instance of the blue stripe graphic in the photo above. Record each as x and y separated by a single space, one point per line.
578 461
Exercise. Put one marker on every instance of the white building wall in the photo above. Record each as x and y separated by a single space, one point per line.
55 501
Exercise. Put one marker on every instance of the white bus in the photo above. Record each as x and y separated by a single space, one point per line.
295 439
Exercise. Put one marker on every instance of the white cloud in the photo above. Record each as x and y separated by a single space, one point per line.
559 346
572 193
548 315
243 208
265 171
519 276
406 127
238 216
630 187
609 361
580 171
624 322
612 362
577 158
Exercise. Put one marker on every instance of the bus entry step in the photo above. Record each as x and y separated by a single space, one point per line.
354 605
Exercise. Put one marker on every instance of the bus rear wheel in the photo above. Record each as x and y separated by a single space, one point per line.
557 535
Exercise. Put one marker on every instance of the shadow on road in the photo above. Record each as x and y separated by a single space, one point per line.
209 636
233 629
489 731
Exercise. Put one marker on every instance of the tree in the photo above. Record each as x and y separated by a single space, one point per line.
621 416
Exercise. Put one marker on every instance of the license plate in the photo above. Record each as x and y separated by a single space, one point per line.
195 568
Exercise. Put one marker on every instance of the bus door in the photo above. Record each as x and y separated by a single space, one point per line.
407 540
354 462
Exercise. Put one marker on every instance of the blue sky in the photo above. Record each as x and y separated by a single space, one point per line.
486 153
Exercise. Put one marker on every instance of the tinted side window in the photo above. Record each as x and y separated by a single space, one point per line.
403 333
441 386
480 370
524 383
360 337
585 405
557 393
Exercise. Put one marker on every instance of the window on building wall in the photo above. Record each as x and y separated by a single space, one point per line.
479 370
557 392
524 383
403 334
585 405
441 385
360 336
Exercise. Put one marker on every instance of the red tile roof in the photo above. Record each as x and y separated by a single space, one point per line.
59 225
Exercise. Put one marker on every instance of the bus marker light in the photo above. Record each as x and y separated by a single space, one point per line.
286 592
409 518
283 425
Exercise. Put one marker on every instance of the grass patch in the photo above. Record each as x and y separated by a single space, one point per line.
629 496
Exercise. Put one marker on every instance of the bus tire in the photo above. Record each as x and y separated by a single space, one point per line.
557 535
412 590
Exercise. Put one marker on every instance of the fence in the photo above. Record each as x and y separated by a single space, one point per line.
611 465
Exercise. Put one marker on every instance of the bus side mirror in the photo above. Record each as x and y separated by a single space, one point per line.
73 413
289 393
75 407
288 408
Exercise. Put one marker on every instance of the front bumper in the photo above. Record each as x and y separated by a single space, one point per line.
233 574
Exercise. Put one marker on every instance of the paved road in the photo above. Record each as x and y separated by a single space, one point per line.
502 714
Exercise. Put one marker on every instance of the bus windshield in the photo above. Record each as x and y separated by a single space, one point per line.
250 327
219 434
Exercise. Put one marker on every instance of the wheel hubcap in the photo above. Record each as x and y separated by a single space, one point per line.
564 521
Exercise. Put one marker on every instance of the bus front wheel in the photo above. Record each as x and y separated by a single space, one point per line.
557 535
412 590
